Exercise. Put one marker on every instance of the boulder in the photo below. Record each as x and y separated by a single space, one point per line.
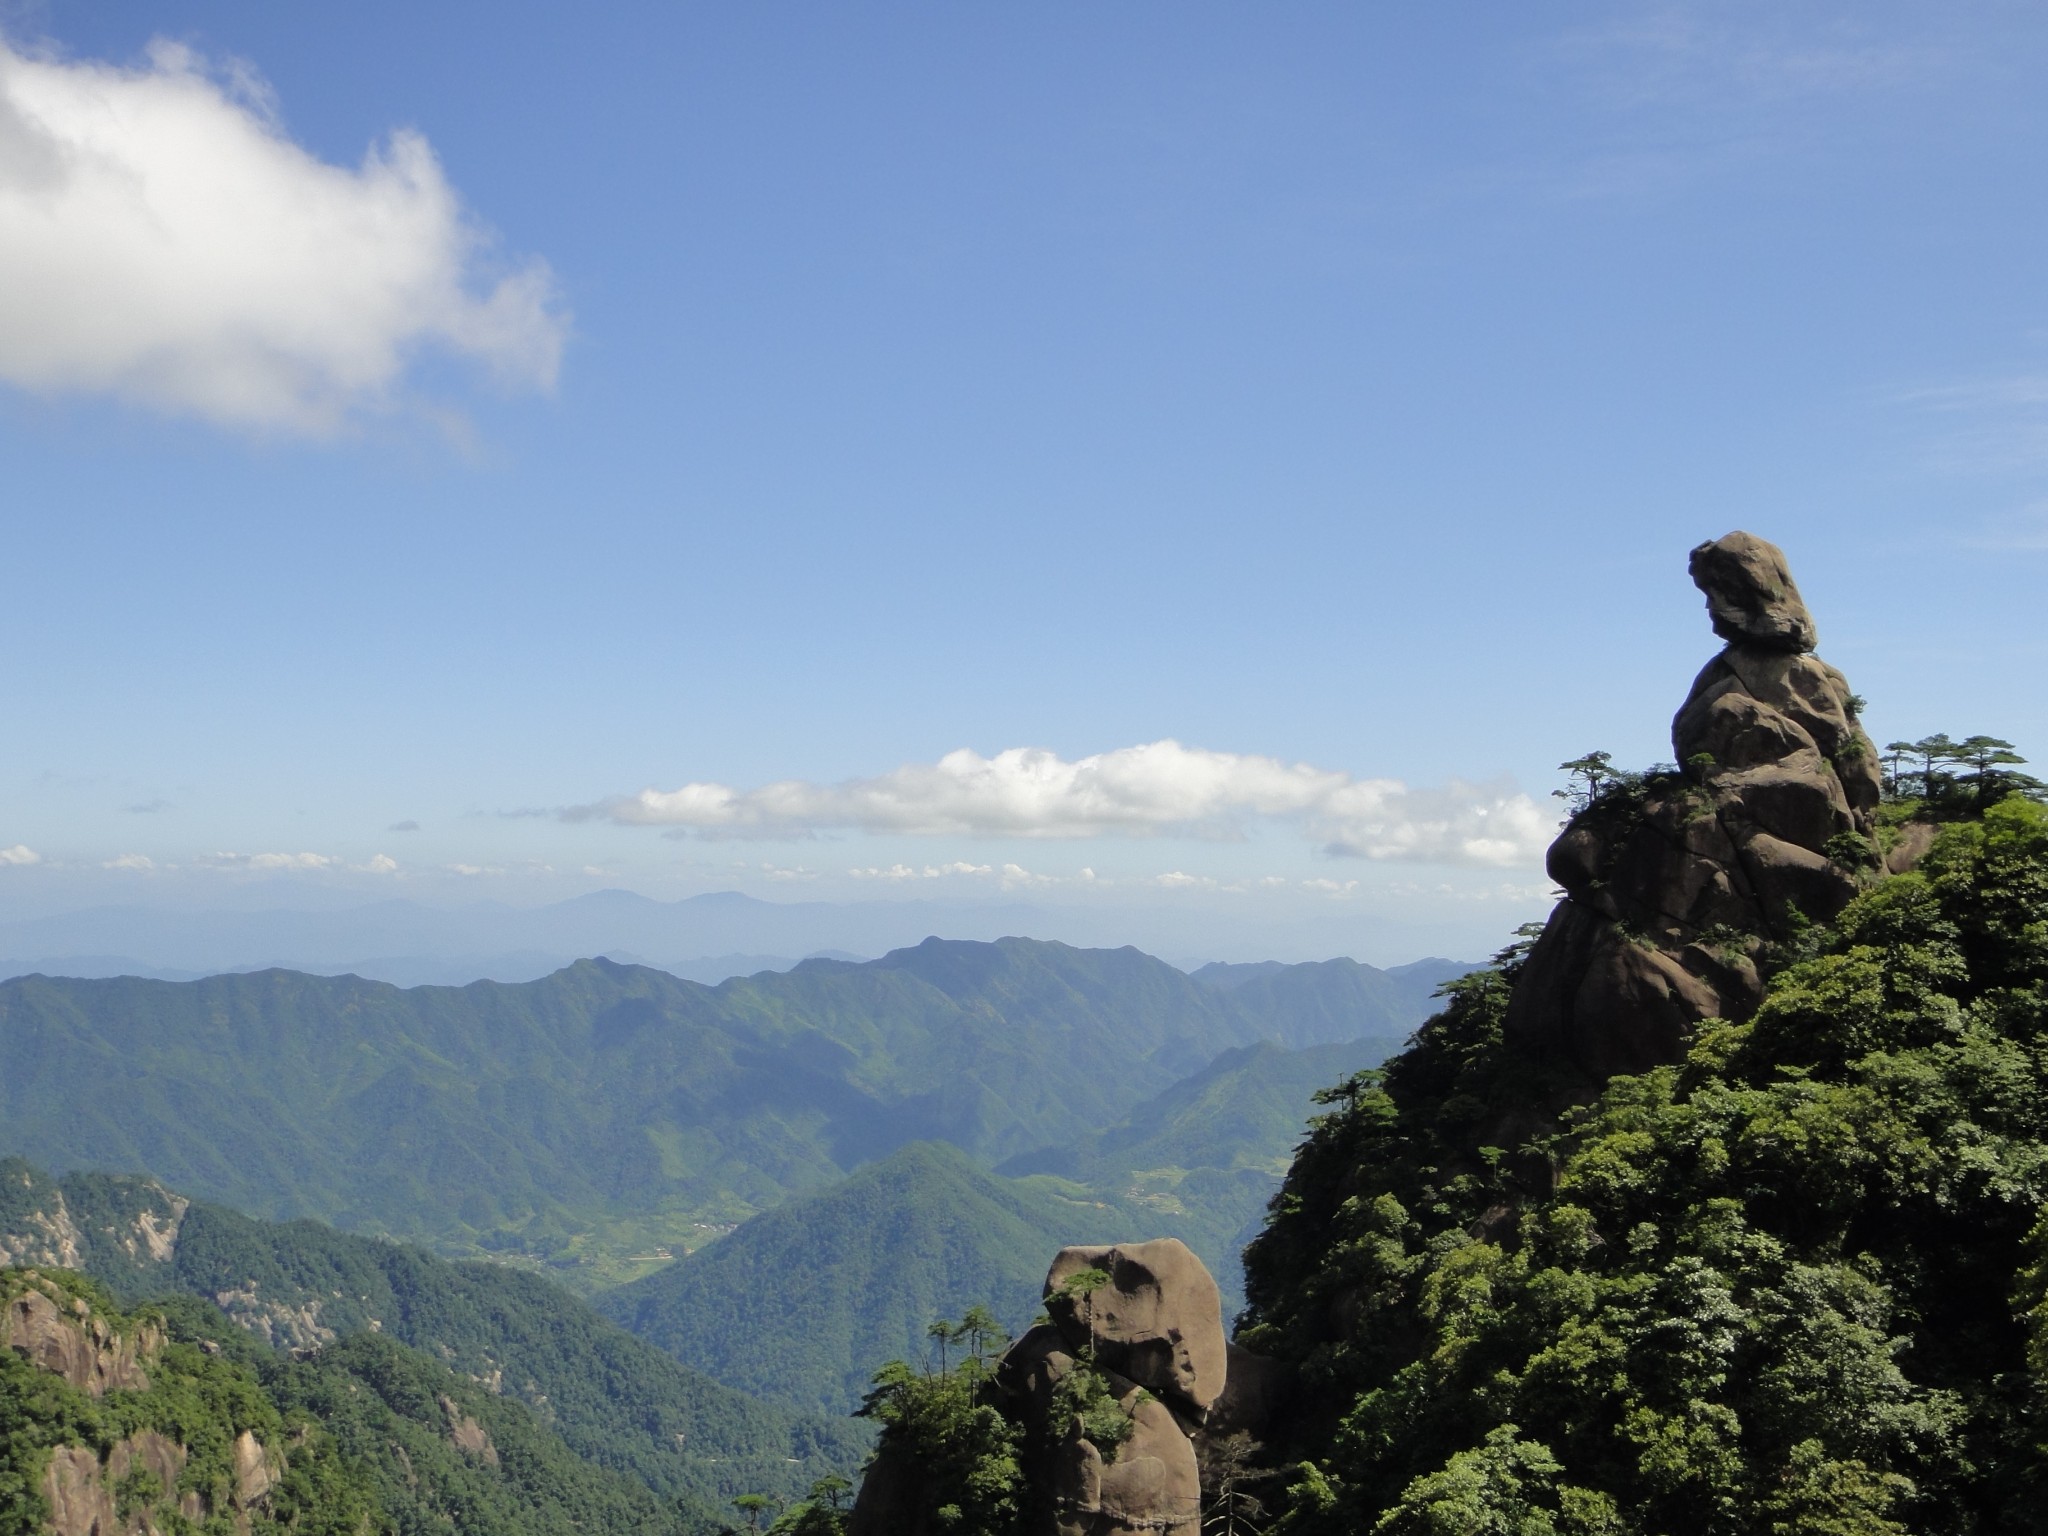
1751 596
1151 1483
1153 1333
1159 1320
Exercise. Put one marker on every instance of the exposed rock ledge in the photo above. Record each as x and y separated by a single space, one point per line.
60 1333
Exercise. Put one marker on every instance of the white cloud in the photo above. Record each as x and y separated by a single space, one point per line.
164 241
902 872
20 853
265 861
380 864
142 863
1162 788
1458 823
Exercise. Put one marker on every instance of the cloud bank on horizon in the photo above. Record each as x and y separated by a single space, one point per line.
1161 788
163 241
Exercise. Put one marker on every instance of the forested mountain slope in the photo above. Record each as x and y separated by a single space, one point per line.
1324 1002
1793 1283
171 1419
605 1109
1200 1160
1723 1209
614 1401
804 1302
863 1267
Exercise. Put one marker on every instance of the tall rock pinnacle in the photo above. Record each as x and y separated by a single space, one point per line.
1674 883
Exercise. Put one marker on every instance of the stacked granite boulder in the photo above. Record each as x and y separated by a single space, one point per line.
1155 1332
1673 885
1152 1334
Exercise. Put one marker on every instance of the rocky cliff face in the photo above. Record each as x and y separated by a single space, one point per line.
59 1334
133 1222
137 1484
1674 883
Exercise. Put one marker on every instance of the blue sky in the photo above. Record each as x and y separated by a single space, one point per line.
737 396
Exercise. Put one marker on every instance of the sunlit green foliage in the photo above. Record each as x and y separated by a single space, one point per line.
955 1458
1788 1285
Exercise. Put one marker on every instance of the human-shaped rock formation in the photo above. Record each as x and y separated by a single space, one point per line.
1154 1332
1672 885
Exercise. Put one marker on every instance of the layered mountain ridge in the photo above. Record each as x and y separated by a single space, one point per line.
608 1116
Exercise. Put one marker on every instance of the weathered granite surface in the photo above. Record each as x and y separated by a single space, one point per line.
1672 887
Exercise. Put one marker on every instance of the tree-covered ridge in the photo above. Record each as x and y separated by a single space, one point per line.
441 1452
862 1267
161 1444
1327 1002
230 1436
1201 1160
613 1400
607 1116
1794 1283
805 1302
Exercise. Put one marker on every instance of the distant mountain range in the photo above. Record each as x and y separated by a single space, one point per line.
705 938
779 1180
419 970
608 1116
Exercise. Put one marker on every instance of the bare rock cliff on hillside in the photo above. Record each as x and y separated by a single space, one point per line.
137 1226
131 1486
59 1334
1675 881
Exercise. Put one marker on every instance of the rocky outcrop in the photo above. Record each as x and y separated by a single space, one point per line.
1158 1322
468 1434
1152 1328
1146 1481
1675 882
38 1225
280 1324
133 1487
60 1334
1143 1354
257 1470
91 1495
85 1494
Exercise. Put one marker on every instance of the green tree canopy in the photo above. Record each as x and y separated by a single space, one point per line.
1788 1285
